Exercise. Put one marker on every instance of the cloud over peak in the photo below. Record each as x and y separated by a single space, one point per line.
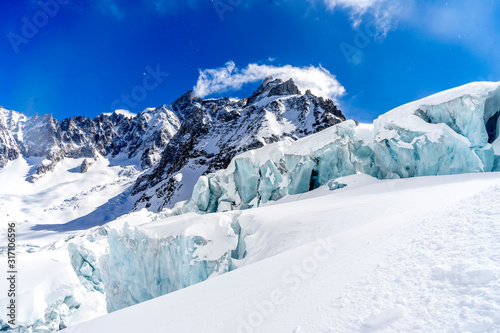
231 78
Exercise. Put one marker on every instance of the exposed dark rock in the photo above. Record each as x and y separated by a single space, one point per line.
85 165
285 88
43 136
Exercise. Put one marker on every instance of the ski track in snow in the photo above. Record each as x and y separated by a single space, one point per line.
444 272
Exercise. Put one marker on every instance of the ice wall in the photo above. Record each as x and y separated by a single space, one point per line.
286 167
153 259
452 132
447 133
85 253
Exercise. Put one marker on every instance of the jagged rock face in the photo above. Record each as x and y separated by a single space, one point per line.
9 135
285 88
144 135
213 131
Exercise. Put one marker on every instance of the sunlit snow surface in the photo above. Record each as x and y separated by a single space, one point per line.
337 239
393 255
47 214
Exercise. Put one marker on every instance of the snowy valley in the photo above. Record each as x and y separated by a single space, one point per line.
271 213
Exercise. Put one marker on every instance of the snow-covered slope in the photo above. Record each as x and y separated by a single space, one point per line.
417 254
65 201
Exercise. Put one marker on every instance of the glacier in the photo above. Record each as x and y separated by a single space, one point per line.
452 132
142 255
151 254
146 260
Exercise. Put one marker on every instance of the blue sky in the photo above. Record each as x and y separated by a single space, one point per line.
86 56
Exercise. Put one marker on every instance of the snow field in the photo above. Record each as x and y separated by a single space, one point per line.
364 262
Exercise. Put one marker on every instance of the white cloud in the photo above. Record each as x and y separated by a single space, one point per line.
230 78
126 113
357 5
384 12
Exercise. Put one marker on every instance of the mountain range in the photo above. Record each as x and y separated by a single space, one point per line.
174 144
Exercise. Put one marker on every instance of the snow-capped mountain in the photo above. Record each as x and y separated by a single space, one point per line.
214 131
204 135
143 136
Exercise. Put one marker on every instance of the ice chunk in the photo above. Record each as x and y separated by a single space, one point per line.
462 115
85 253
333 162
301 173
201 193
334 185
270 182
156 258
246 179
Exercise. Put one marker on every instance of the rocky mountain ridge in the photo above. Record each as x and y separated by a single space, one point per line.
177 142
213 131
143 136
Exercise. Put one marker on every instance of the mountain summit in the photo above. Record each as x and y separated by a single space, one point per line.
213 131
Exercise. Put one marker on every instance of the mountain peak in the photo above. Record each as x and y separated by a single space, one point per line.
285 88
263 91
186 100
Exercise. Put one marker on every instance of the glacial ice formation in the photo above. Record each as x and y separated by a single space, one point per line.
153 259
452 132
85 257
46 300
